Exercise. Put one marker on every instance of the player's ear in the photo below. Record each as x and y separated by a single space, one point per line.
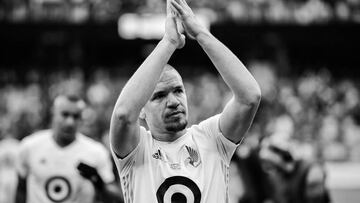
142 114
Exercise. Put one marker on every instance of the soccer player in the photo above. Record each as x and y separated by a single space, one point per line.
8 153
62 165
172 162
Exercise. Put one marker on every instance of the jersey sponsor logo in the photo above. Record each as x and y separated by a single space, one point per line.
193 158
58 189
175 166
178 189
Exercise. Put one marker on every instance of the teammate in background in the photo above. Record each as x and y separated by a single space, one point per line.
170 162
8 155
62 165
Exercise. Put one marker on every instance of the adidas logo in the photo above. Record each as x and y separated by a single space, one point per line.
157 155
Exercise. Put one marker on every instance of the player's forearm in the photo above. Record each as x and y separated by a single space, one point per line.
237 77
140 86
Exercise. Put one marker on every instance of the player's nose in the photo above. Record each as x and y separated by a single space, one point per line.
70 121
172 101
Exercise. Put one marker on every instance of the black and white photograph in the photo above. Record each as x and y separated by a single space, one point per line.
179 101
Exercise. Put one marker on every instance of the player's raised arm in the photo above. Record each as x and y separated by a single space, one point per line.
238 114
124 127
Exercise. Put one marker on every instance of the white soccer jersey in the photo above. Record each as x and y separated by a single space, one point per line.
51 170
8 176
193 169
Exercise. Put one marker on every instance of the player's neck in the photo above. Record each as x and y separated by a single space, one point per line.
168 136
63 141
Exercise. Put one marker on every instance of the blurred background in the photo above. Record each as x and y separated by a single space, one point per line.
303 53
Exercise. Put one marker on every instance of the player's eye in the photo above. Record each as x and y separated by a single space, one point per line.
178 90
76 116
65 114
158 95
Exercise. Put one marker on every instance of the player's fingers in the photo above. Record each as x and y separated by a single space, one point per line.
183 2
175 12
177 7
185 5
172 22
169 11
179 25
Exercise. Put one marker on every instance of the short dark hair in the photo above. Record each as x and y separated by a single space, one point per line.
73 97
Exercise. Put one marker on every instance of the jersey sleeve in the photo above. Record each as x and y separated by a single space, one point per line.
224 146
22 162
124 165
105 166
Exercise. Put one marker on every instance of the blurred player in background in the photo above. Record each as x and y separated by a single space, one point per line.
62 165
292 179
270 171
8 154
170 162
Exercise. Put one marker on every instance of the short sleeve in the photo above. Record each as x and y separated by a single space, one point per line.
105 166
23 156
225 147
124 165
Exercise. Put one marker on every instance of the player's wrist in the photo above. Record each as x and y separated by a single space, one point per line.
169 43
203 36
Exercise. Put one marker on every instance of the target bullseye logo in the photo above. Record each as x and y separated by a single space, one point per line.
178 189
58 189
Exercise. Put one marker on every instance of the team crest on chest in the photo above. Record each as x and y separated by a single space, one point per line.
194 158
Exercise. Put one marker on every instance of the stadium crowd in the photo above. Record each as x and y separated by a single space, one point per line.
315 111
240 11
